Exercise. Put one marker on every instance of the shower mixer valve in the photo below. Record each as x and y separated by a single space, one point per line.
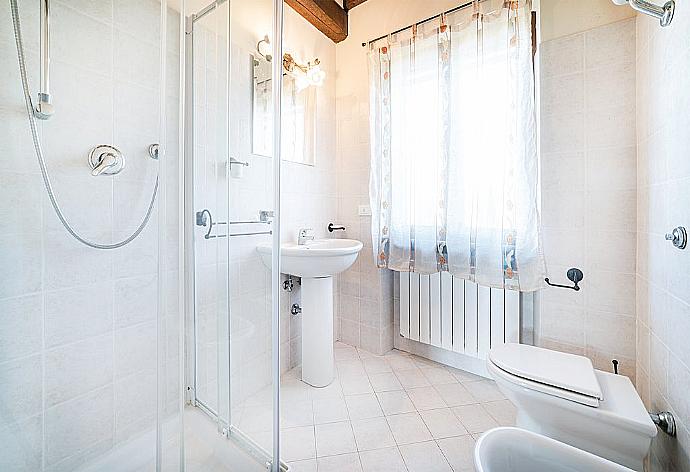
106 160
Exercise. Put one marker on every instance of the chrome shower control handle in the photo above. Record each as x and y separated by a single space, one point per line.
106 160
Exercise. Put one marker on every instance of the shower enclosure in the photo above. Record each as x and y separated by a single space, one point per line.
124 306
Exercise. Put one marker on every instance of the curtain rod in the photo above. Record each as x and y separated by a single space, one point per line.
452 10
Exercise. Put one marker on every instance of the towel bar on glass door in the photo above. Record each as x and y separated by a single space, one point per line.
204 217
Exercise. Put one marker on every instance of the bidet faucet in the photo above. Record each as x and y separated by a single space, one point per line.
305 234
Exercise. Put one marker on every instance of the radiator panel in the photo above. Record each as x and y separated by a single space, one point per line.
457 315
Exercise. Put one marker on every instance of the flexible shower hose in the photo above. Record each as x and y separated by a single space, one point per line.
39 151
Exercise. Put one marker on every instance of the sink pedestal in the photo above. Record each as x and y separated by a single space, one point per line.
317 331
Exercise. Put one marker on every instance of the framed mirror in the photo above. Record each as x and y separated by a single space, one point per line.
298 113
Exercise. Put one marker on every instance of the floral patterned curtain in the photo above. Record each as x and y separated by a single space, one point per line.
453 184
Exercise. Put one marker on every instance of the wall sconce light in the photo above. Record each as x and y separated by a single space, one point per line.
304 75
263 47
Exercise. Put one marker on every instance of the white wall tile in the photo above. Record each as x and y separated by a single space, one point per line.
589 191
78 368
77 313
23 396
22 445
21 320
73 427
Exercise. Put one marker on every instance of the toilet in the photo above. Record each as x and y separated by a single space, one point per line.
563 397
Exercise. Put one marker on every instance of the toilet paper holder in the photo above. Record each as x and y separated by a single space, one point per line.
574 274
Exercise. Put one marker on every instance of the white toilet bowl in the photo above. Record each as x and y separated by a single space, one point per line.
518 450
563 397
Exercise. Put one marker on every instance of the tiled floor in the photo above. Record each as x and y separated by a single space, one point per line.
396 412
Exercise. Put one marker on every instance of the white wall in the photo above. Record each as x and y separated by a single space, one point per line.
663 272
560 18
78 326
588 183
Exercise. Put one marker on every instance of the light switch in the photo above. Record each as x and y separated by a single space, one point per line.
364 210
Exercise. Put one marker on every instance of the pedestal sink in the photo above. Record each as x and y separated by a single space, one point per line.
316 262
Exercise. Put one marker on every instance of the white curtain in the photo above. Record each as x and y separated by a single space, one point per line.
453 182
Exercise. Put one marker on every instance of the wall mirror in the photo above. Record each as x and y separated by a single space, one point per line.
298 115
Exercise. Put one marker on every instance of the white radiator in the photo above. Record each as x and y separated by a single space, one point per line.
457 315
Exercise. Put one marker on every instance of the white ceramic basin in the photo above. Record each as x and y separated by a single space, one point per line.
317 258
519 450
316 263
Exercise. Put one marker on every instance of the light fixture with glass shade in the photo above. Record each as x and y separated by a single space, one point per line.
304 75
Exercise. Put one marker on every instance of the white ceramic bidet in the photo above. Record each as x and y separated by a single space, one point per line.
518 450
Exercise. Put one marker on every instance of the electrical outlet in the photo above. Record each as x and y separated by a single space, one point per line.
364 210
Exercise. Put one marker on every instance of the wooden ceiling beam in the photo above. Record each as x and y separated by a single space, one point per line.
350 4
326 15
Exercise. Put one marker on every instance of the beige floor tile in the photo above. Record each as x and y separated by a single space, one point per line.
363 406
425 398
297 414
474 418
376 365
484 390
412 378
385 382
334 438
462 376
438 375
395 402
424 457
372 433
355 384
308 465
297 444
408 428
455 394
503 411
459 452
442 423
341 463
330 410
382 460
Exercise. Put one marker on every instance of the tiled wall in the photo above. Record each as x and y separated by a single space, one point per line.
78 326
663 272
588 193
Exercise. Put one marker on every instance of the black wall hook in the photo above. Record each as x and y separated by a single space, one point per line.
574 275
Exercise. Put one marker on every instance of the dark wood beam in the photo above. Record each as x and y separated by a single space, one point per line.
326 15
350 4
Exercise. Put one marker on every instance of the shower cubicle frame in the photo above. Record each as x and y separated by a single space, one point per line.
226 427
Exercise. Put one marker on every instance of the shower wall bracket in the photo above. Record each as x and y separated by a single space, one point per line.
44 109
663 13
679 237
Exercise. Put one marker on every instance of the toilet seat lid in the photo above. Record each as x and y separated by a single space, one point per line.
557 369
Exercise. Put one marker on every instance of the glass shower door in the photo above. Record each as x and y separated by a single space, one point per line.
229 212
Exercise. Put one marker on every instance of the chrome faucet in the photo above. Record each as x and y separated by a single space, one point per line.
305 234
